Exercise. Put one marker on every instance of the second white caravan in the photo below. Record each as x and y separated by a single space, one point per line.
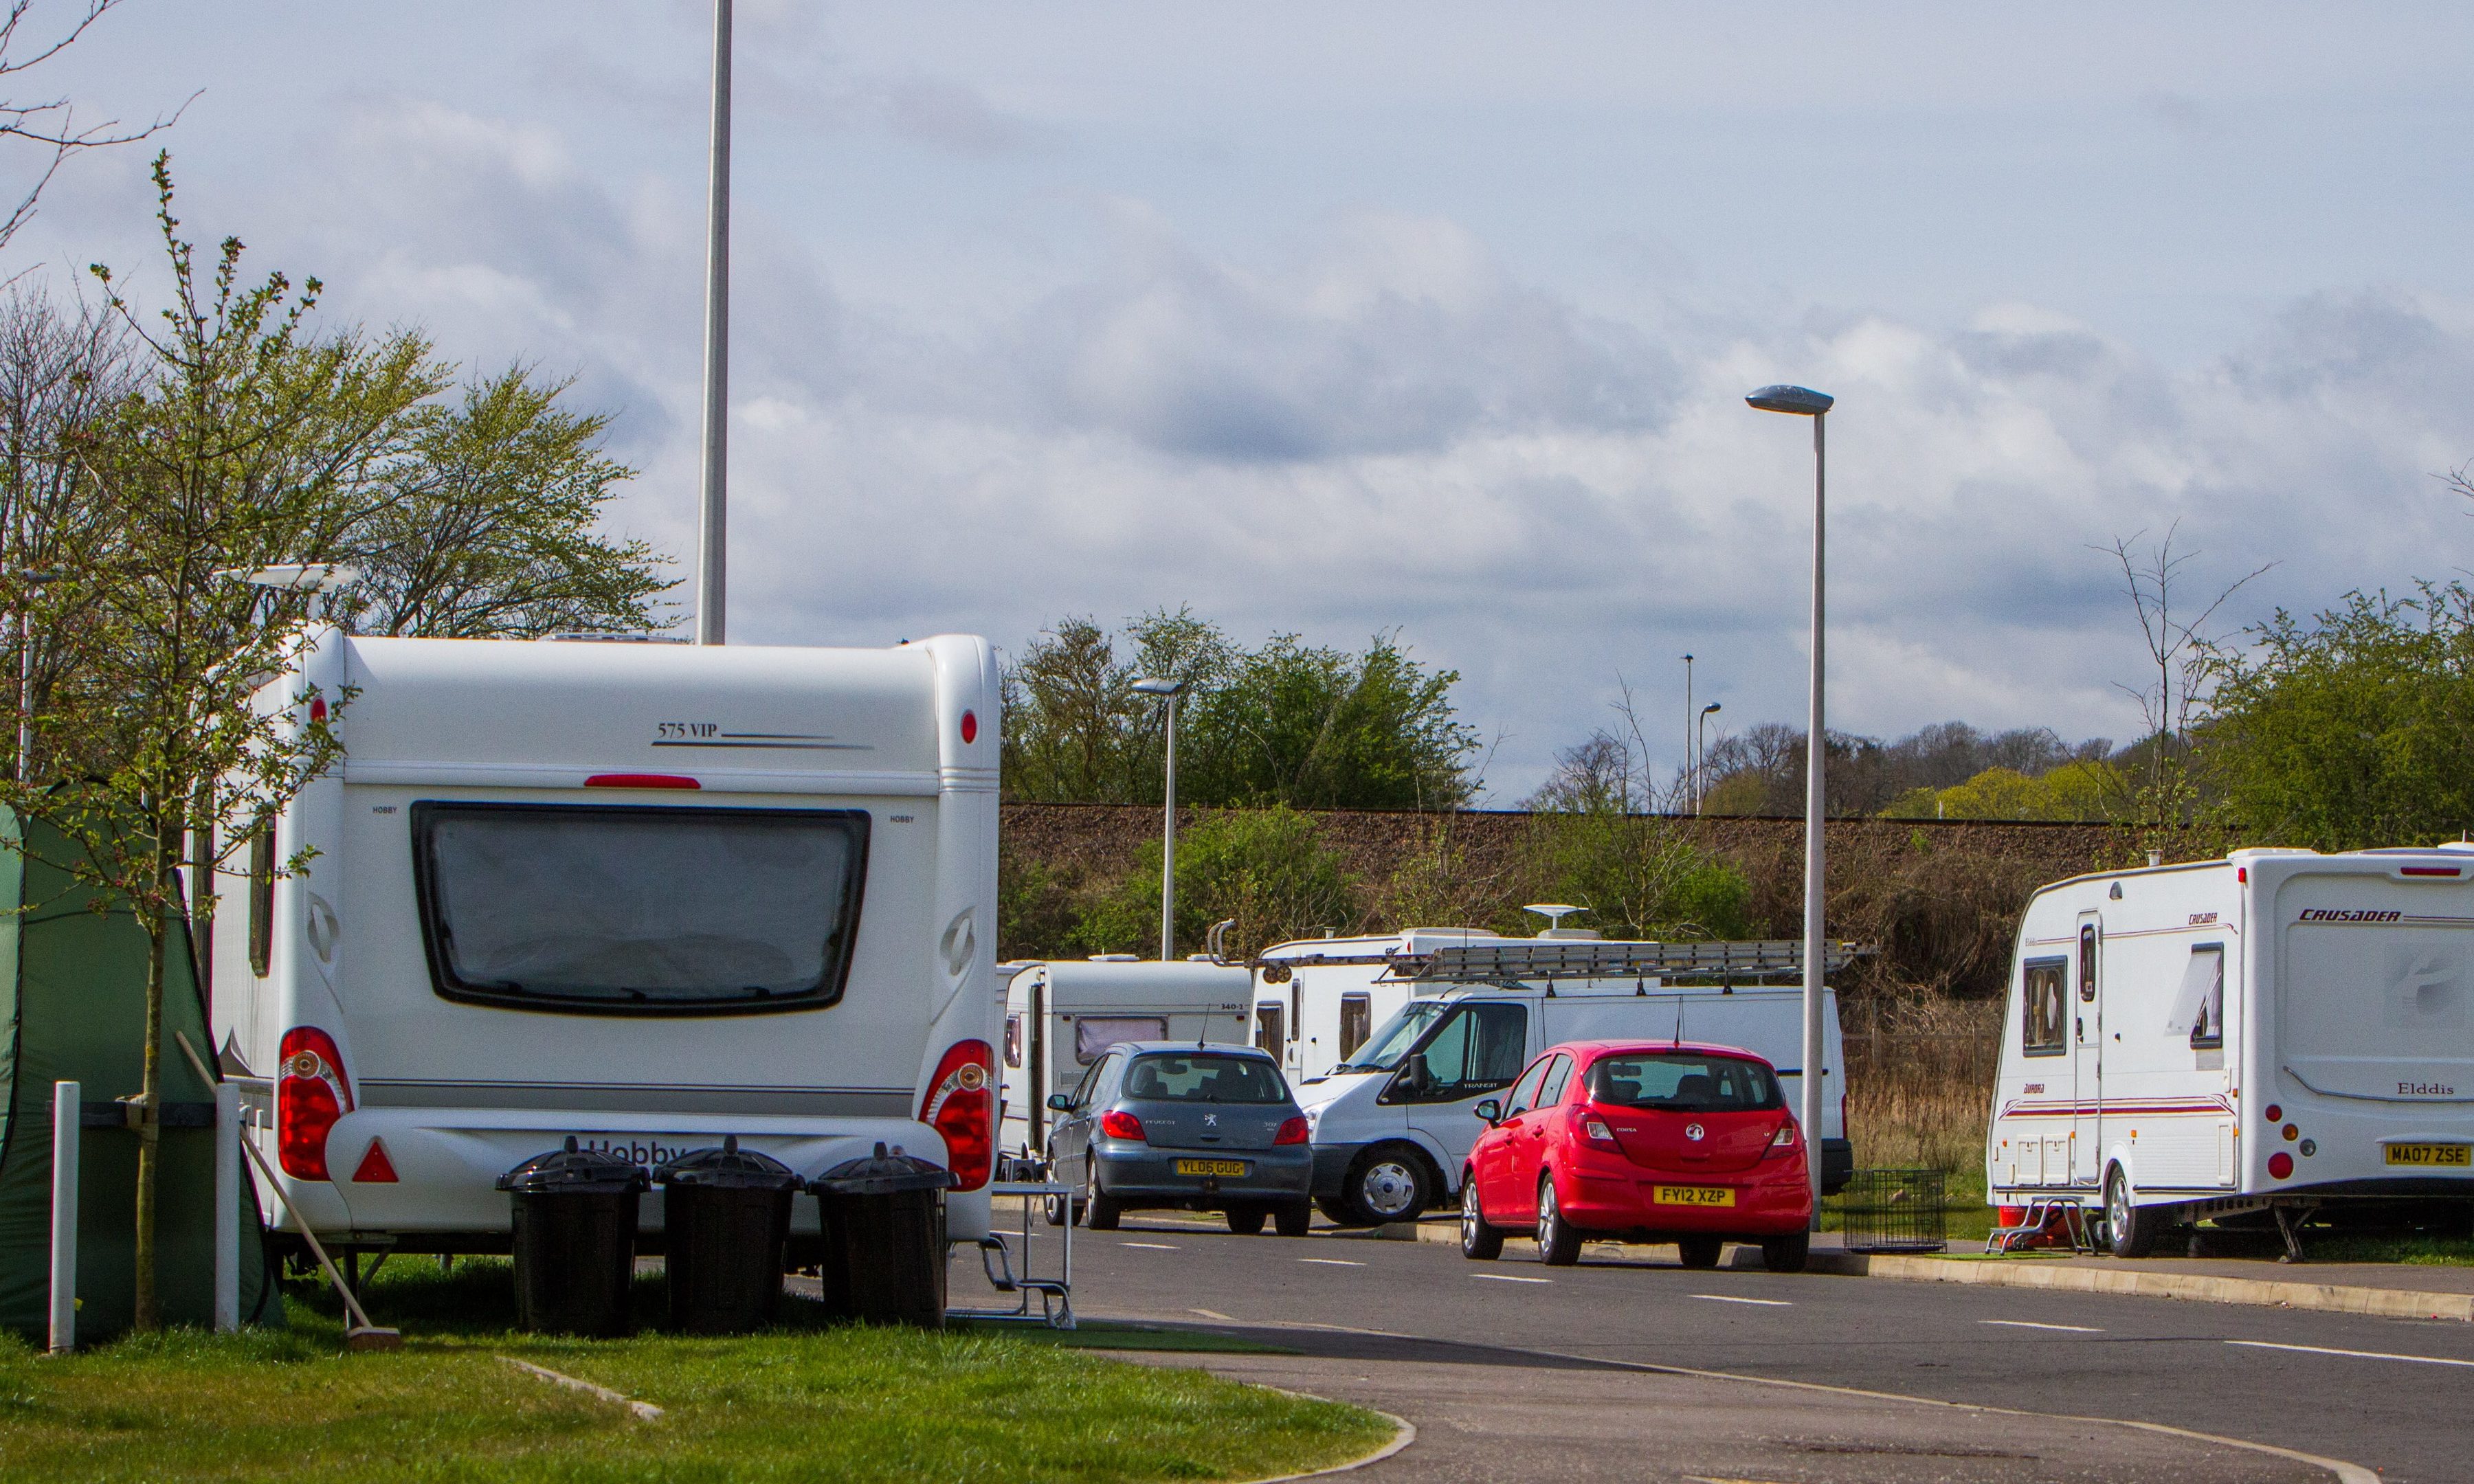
2254 1039
1064 1015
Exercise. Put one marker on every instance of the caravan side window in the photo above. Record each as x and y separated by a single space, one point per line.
1266 1026
2087 962
1356 1022
2199 1009
2044 1013
1013 1039
261 897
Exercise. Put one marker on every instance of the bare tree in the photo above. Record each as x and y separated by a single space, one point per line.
50 123
2179 647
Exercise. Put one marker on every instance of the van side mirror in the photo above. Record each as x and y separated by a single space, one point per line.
1491 1111
1060 1102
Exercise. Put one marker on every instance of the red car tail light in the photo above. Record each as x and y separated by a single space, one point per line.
1291 1131
958 1107
311 1093
1596 1131
1783 1141
1117 1123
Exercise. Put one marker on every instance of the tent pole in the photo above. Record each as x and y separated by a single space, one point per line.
65 1109
227 1179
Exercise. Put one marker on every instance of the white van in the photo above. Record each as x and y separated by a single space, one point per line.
643 895
1064 1015
2270 1033
1317 999
1393 1121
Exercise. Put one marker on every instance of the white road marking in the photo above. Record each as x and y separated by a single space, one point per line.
1511 1278
1333 1262
1213 1313
2030 1324
1154 1246
2358 1355
1728 1297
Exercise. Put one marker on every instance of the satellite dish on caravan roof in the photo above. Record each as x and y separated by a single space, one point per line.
1553 912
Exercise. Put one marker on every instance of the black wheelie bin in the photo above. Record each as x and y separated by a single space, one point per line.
725 1215
883 1220
574 1239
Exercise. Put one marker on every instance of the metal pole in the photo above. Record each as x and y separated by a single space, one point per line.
1815 960
714 532
65 1106
227 1179
1691 760
25 697
1168 846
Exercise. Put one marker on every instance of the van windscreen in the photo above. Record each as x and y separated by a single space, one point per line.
1684 1082
617 909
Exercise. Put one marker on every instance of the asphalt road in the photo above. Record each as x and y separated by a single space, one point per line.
2392 1395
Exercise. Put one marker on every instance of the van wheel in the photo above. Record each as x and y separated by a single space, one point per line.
1701 1251
1558 1241
1099 1212
1246 1220
1294 1219
1786 1254
1481 1240
2130 1231
1387 1183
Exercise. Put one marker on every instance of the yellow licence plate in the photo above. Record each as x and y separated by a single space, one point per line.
1692 1195
1211 1166
2456 1156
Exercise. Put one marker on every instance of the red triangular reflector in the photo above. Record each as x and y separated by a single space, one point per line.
377 1170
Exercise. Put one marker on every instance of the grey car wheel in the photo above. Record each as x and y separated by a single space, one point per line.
1386 1184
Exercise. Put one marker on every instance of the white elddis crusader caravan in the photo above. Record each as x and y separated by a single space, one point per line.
2275 1032
644 895
1064 1015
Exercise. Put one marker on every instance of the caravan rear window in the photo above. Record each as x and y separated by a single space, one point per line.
618 909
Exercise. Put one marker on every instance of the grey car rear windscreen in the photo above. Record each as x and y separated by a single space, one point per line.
648 910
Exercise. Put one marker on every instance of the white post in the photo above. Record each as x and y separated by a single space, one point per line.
1815 959
713 535
65 1106
227 1179
1168 846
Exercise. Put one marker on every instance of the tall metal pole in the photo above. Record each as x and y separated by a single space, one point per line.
713 536
67 1108
1168 846
1691 760
1815 960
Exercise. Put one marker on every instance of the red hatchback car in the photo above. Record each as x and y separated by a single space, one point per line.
1658 1141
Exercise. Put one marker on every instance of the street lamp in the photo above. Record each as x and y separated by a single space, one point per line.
712 518
1691 760
1805 402
1701 757
1168 691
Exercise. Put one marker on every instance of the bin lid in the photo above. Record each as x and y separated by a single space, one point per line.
727 1168
575 1171
882 1174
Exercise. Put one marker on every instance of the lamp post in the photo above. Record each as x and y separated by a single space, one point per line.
1168 690
1701 757
713 533
1691 760
1805 402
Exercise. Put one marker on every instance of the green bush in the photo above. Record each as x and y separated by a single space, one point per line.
1638 876
1266 868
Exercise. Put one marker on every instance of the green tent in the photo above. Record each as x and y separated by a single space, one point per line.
73 1008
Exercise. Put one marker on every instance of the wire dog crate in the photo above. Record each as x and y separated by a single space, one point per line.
1893 1210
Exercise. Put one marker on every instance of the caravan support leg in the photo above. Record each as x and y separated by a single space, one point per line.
2288 1226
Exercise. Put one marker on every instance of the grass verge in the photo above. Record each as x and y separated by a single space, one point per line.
803 1400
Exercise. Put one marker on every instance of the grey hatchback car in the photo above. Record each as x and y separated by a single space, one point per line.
1176 1124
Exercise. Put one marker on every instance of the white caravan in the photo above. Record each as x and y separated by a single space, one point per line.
1064 1015
1395 1120
643 895
2274 1032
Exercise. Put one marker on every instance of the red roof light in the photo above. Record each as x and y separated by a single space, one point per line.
641 780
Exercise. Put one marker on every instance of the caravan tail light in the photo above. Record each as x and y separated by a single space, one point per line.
2280 1164
958 1107
1117 1123
311 1092
1291 1131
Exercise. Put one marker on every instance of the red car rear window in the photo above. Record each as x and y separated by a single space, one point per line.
1684 1082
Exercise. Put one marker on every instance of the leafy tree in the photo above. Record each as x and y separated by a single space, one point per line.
1638 876
2091 790
2348 730
1267 868
1076 732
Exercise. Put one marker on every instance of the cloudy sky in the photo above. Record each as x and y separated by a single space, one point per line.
1427 317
